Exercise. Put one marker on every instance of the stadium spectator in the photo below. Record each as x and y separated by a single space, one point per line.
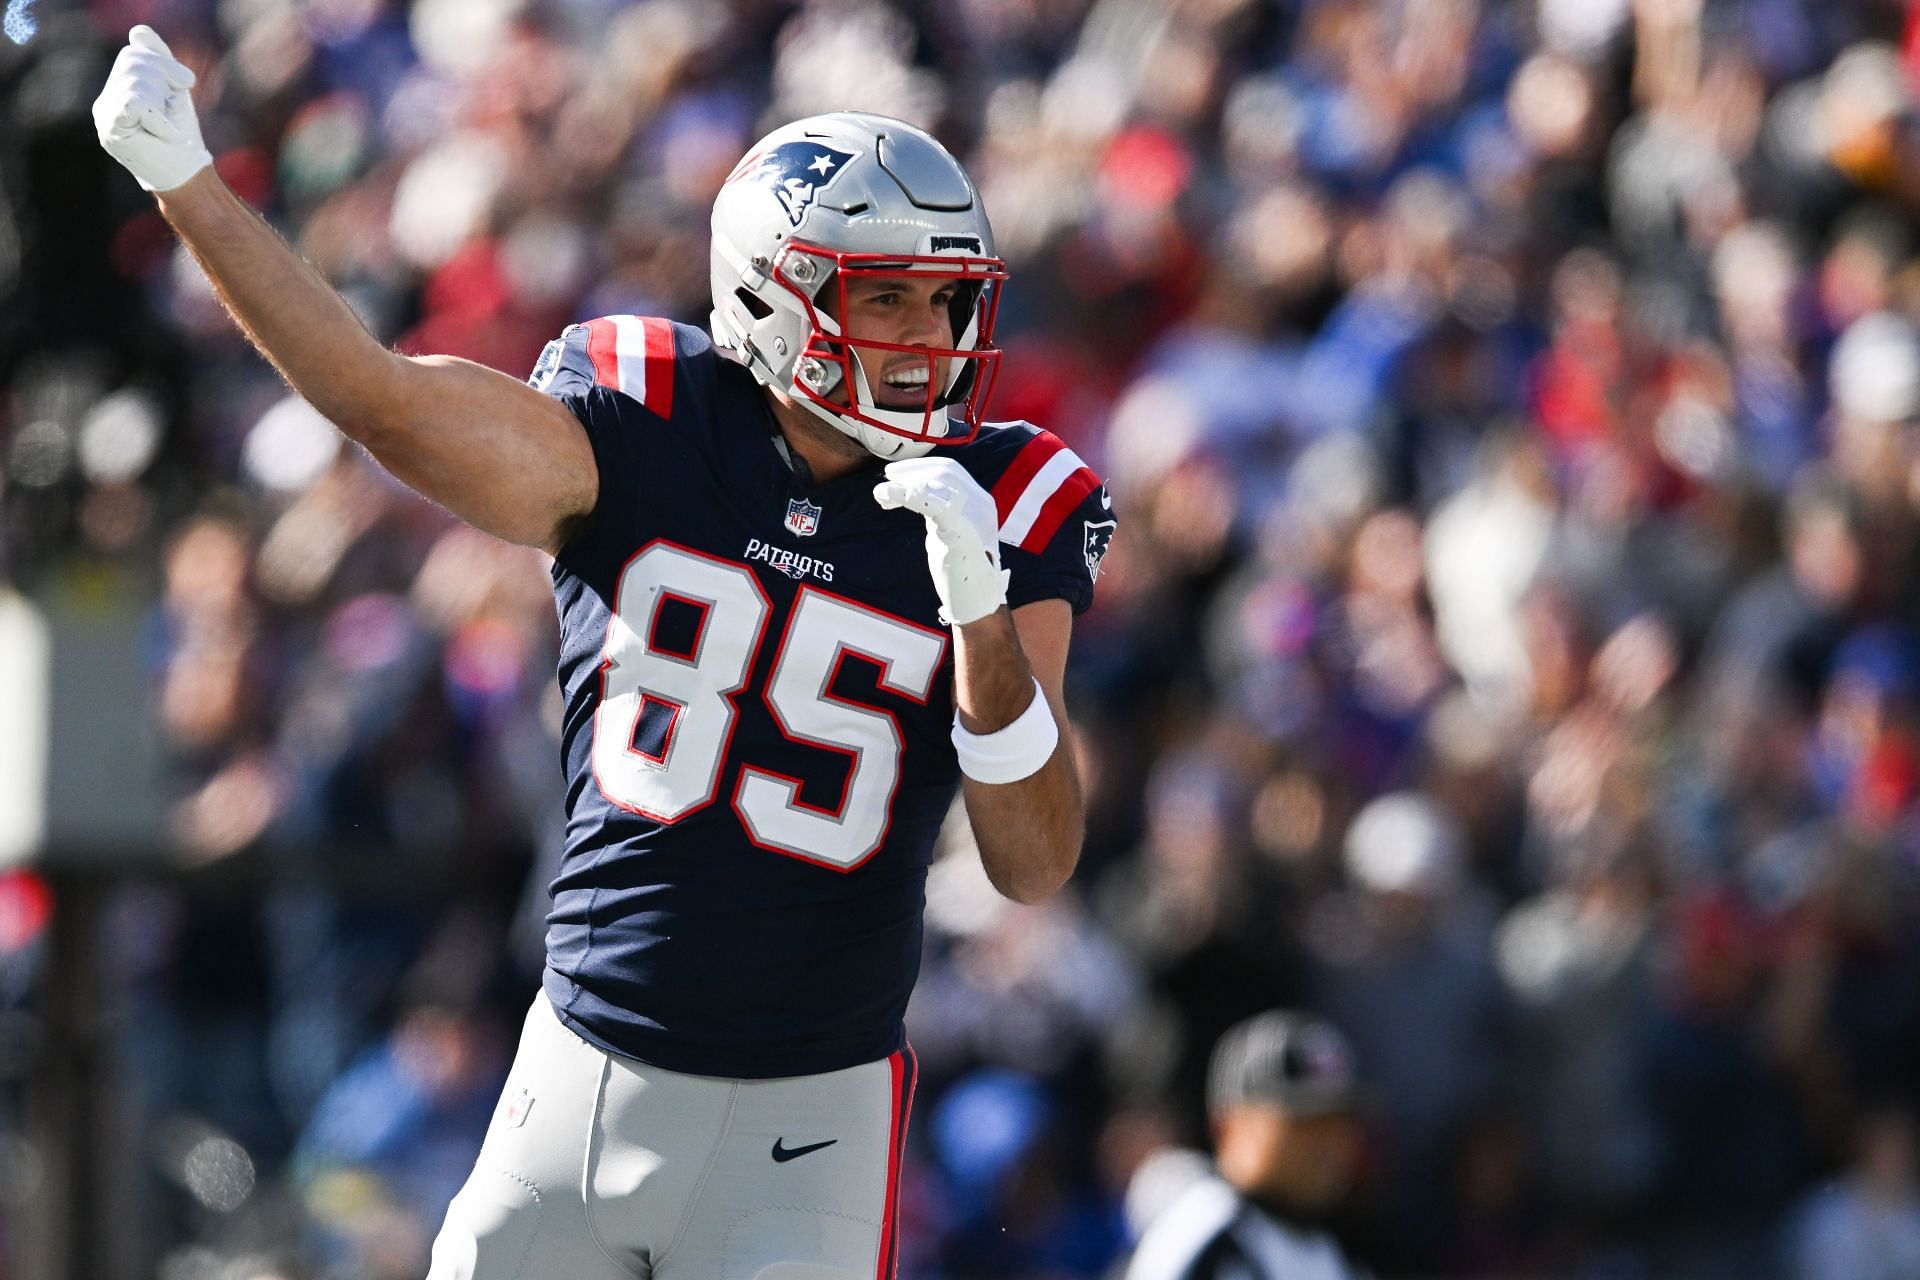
1865 1224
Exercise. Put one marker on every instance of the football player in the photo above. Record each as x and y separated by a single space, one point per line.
804 594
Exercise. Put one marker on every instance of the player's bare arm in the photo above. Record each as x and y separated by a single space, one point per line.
492 450
1029 831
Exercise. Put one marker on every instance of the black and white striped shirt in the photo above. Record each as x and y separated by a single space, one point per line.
1212 1232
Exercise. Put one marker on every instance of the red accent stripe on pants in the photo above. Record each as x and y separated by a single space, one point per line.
906 1070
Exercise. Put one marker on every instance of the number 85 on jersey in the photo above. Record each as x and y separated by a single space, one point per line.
696 690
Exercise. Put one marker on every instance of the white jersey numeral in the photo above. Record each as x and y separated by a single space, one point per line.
694 691
821 633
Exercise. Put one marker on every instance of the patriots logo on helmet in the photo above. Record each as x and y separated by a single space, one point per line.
796 173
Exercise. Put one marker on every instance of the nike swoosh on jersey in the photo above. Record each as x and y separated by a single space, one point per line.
783 1154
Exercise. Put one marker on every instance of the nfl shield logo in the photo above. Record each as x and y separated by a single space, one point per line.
803 518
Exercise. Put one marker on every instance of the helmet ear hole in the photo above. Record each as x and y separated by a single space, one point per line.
756 308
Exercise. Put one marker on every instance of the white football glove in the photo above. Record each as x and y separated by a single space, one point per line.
145 116
963 534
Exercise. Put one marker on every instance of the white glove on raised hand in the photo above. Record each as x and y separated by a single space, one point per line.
145 116
963 534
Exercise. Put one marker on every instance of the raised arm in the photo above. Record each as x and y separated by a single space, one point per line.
486 446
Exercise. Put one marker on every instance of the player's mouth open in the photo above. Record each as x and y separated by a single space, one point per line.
904 387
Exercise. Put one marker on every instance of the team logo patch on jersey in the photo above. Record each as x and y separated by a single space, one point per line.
803 518
548 364
797 172
1099 538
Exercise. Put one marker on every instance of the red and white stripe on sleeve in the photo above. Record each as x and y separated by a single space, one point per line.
634 355
1040 490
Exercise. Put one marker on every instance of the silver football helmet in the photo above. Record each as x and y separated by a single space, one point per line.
836 197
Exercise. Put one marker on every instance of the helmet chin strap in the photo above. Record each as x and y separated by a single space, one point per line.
913 421
882 444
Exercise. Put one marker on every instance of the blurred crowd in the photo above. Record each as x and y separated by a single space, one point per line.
1511 649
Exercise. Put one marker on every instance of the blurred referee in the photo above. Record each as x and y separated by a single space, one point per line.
1282 1097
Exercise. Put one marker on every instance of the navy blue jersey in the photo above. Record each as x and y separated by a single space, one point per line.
758 698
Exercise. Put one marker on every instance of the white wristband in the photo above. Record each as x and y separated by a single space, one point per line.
1012 753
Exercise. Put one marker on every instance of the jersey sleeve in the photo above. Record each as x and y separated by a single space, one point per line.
617 374
1056 522
633 355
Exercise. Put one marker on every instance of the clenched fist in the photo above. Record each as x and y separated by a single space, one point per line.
145 115
963 533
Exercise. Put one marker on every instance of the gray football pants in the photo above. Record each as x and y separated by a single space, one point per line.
598 1167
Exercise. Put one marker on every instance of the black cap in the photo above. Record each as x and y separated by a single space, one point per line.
1294 1060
